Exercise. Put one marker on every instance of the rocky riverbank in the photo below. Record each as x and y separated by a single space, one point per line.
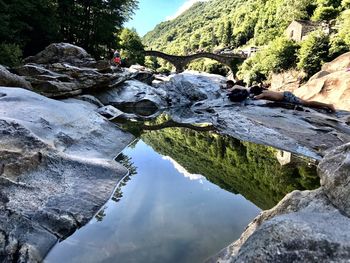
57 165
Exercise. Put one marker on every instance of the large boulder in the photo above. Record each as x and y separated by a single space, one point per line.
59 80
331 88
56 170
11 80
334 171
62 53
341 63
142 74
133 95
329 85
190 87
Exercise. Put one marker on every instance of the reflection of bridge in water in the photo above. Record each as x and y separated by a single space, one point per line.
180 62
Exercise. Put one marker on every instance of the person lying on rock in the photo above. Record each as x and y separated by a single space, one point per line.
229 85
260 93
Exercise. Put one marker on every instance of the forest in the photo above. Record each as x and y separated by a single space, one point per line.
238 24
28 26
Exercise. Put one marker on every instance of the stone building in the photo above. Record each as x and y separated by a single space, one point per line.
299 29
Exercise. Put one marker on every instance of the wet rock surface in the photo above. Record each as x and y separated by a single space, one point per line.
56 171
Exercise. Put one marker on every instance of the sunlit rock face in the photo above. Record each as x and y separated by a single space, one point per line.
56 170
309 226
330 85
190 87
134 95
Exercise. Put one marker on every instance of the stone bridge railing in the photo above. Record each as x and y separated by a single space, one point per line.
180 62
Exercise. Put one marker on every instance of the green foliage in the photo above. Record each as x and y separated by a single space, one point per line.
313 52
218 23
10 54
228 34
344 27
239 167
345 4
338 46
333 3
209 66
33 24
279 55
324 13
131 47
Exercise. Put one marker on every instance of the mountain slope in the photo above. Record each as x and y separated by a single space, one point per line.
215 23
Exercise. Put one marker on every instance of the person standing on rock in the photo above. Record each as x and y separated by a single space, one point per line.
116 58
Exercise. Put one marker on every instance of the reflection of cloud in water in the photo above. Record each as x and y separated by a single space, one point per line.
182 170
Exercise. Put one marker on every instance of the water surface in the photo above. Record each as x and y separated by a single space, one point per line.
188 195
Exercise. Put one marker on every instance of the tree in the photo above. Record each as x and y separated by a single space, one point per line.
325 13
345 4
131 47
33 24
228 34
313 52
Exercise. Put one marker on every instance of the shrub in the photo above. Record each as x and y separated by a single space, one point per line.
323 13
338 46
10 54
313 52
280 55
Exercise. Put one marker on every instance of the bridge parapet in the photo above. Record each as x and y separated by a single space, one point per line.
180 62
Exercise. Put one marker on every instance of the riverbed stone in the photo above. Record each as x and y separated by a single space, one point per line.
303 227
56 170
334 171
12 80
62 52
133 94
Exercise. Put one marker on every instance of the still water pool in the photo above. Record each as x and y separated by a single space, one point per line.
188 195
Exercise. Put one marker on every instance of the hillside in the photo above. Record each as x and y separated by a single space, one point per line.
215 24
207 24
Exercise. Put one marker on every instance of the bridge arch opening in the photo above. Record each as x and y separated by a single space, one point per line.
160 65
210 66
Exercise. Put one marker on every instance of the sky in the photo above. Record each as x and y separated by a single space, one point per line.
153 12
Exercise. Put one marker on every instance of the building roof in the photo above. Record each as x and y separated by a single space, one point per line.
307 23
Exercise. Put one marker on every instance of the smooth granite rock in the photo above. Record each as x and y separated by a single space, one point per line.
133 94
12 80
56 170
334 171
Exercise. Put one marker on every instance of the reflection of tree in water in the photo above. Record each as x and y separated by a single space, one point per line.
118 193
137 128
127 163
239 167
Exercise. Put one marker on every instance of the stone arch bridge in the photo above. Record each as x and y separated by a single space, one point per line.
180 62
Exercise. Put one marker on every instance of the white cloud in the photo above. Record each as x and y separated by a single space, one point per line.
187 5
182 170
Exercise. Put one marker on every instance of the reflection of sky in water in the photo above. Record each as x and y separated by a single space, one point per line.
163 216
